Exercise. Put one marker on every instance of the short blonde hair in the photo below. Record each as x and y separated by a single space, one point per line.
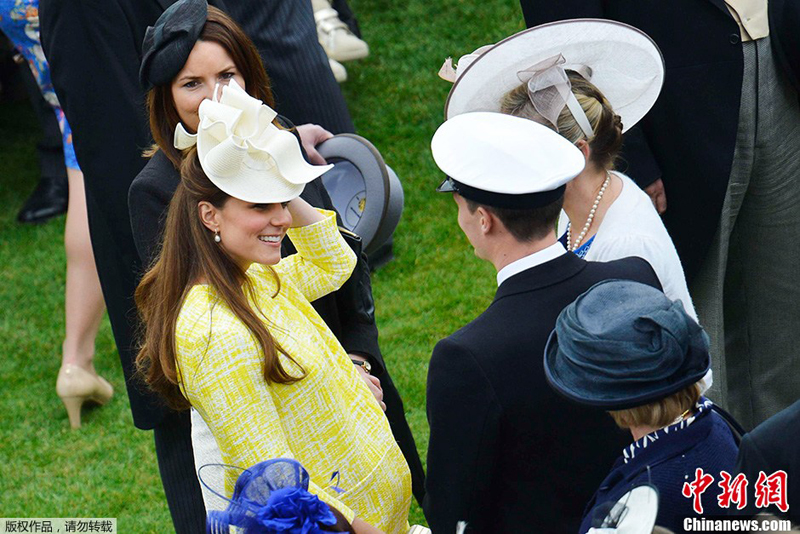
607 125
661 412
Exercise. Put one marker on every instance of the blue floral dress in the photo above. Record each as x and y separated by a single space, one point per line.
19 21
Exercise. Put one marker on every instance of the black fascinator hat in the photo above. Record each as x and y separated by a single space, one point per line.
168 44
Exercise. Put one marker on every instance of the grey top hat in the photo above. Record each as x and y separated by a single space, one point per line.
624 344
168 44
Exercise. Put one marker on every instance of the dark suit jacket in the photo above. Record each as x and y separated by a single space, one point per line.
506 453
688 137
772 446
784 21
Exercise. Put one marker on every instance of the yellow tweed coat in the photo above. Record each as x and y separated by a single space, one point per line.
329 420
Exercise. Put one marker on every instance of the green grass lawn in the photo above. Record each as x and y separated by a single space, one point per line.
435 284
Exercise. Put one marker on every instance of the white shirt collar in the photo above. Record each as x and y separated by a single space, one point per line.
537 258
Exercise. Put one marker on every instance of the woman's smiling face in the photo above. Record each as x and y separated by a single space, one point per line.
208 64
249 233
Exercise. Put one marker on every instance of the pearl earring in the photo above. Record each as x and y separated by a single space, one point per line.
217 238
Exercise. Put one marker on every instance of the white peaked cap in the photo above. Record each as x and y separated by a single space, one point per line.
621 61
504 161
243 153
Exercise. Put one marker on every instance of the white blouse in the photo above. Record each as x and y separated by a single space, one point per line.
632 227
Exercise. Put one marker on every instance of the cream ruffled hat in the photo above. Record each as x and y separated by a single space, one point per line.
243 153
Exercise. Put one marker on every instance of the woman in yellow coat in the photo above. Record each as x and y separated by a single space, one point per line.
229 328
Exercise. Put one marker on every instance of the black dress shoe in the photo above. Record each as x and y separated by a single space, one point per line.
48 200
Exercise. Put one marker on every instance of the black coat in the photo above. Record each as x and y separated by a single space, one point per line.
349 312
688 137
94 49
784 20
772 446
506 453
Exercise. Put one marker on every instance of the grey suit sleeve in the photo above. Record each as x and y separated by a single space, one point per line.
464 416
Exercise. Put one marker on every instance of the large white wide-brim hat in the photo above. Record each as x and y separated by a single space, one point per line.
624 62
243 153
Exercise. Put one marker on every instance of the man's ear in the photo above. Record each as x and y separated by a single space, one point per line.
486 220
208 215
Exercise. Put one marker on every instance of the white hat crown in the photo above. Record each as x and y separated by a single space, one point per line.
504 156
242 151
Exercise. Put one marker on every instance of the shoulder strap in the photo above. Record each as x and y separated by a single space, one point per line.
737 430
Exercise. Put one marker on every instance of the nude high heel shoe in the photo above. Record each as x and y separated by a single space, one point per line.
76 385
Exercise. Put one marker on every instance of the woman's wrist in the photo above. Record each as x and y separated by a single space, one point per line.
361 361
303 213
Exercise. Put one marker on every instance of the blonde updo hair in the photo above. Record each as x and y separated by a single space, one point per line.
660 413
607 125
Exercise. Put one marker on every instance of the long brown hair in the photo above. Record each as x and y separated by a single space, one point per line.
188 254
223 30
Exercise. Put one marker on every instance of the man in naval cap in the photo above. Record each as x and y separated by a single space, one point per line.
506 453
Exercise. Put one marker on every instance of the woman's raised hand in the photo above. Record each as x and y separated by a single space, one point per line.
303 213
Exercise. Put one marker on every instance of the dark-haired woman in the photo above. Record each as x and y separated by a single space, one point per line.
216 50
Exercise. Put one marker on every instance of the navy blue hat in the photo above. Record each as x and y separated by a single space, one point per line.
167 45
624 344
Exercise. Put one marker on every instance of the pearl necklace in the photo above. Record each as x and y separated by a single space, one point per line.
589 219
